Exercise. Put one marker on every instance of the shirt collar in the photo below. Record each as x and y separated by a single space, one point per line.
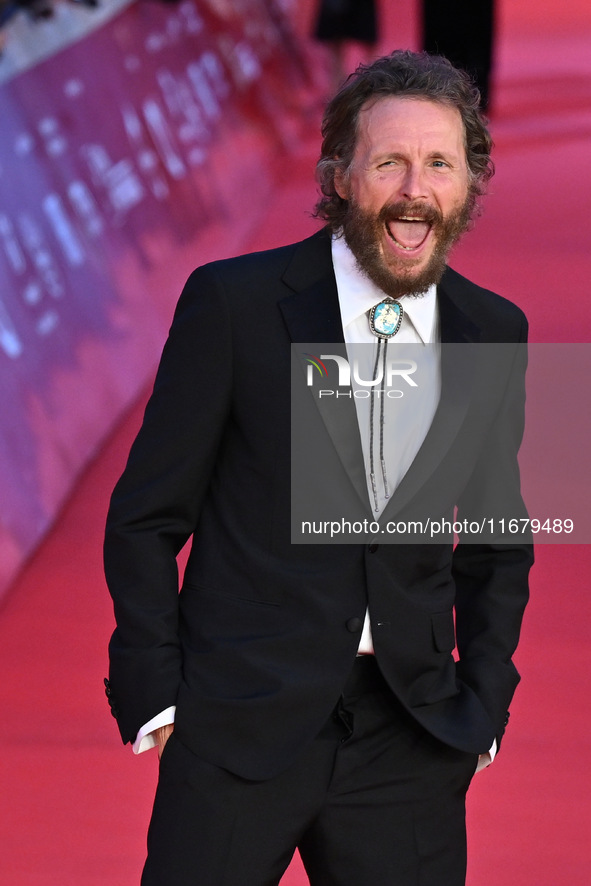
357 293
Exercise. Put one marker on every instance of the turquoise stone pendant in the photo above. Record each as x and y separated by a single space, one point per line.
385 318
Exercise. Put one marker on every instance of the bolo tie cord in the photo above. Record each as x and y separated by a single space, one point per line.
385 319
372 475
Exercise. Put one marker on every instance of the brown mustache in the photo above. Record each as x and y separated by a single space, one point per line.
421 211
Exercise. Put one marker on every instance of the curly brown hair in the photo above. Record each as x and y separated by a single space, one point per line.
410 75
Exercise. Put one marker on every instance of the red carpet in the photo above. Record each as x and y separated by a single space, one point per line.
75 804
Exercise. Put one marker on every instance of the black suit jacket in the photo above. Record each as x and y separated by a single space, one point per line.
258 645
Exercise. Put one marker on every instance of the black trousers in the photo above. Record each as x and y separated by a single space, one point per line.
375 801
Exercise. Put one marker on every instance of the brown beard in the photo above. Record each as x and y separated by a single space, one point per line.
363 230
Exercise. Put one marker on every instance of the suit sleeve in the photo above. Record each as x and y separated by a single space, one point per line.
156 504
492 577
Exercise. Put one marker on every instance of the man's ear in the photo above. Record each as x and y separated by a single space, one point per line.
341 183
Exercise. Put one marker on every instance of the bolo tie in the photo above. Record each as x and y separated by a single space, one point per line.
385 319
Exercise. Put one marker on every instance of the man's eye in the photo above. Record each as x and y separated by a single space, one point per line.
439 164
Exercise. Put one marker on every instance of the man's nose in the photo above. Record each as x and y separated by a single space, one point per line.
413 184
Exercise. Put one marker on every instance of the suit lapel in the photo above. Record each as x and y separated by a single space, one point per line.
311 311
313 318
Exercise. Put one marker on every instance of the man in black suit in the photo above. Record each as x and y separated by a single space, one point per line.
315 699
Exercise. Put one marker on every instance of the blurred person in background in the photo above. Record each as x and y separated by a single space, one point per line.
340 23
462 31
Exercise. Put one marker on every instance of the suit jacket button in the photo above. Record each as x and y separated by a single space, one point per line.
373 548
354 624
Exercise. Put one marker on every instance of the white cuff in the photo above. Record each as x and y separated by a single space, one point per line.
145 739
486 759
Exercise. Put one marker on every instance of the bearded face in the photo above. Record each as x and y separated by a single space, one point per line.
407 192
408 225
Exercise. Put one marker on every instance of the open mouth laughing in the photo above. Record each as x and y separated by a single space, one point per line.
408 232
403 248
409 228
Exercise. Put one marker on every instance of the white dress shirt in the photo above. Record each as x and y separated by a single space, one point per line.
406 420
